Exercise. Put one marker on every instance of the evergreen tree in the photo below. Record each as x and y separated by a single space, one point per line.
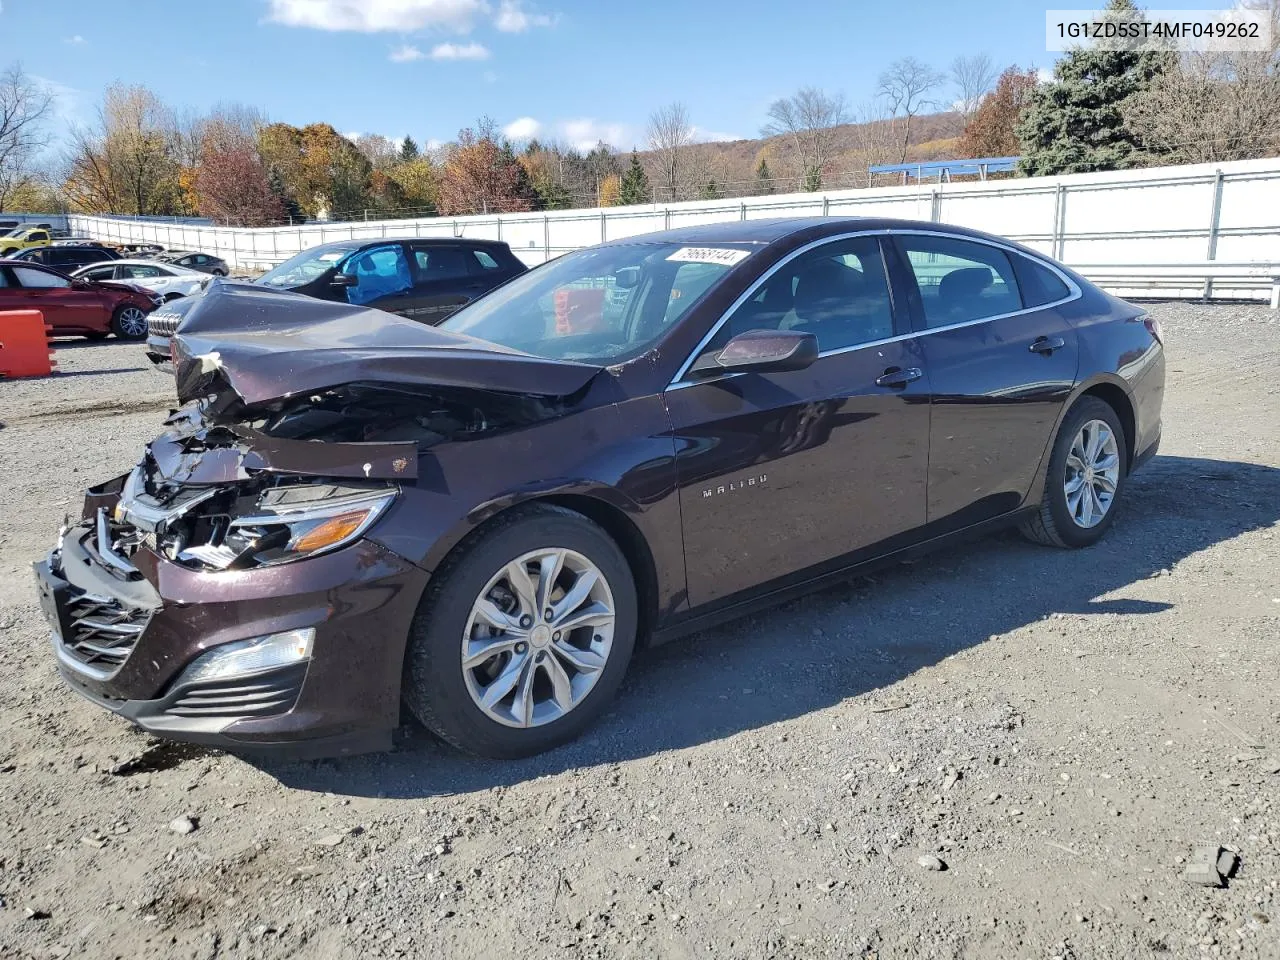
764 178
522 188
289 206
1075 123
711 190
813 179
409 150
635 183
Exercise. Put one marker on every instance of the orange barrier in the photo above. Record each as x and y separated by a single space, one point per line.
579 311
24 344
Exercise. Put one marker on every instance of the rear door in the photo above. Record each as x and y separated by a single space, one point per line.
784 471
445 276
1001 365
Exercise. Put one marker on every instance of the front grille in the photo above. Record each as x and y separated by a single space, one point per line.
162 324
103 631
262 696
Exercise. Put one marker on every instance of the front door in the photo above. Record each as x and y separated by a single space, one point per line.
1002 360
65 307
443 281
383 278
779 472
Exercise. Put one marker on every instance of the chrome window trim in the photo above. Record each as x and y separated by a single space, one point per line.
677 382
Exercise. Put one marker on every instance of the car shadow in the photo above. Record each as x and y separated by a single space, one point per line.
81 343
851 639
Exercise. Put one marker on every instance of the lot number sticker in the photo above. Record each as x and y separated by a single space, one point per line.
721 255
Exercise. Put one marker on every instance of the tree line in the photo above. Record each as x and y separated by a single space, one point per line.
1101 110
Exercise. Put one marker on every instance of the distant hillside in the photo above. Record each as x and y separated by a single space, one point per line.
733 163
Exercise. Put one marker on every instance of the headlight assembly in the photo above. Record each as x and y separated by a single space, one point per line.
286 526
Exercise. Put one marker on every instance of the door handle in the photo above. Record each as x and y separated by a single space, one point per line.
1046 345
899 377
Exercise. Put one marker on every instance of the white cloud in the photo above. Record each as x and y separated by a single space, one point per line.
352 135
1044 74
433 145
405 53
524 128
459 51
513 18
585 132
374 16
75 41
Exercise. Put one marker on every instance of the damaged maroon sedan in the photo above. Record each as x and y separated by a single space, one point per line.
482 520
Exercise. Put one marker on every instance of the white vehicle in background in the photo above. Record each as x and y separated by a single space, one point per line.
167 279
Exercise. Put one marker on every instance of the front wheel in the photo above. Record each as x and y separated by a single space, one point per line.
8 251
129 322
170 297
1084 479
524 636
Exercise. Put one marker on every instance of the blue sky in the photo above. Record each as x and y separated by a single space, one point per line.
571 70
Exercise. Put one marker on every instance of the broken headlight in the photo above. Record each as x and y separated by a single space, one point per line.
289 524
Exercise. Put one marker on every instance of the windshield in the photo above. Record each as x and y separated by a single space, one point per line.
303 268
605 304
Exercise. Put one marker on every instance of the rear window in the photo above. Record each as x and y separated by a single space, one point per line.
486 262
1039 284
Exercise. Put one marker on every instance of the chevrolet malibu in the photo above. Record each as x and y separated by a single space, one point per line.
483 520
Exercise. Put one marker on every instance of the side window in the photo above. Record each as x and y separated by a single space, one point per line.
961 280
1039 284
440 263
379 272
4 279
38 279
99 273
486 262
39 235
140 271
691 281
838 292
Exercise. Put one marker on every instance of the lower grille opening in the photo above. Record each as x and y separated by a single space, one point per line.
103 631
260 696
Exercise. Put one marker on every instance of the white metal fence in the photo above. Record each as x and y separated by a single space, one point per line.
1163 215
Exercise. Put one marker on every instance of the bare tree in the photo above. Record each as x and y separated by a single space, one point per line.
24 104
906 89
670 134
808 120
973 77
874 138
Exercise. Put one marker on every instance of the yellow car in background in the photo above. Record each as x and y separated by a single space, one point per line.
11 243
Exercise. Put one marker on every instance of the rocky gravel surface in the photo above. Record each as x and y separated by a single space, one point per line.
999 751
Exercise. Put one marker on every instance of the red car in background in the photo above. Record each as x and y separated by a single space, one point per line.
77 307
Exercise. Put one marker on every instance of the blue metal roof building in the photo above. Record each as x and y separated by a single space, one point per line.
944 170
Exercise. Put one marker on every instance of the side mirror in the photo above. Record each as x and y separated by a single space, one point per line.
345 280
760 351
626 277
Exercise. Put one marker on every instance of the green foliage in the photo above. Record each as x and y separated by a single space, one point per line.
409 150
1075 123
635 183
813 179
710 190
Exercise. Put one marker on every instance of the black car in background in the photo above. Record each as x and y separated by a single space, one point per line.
204 262
422 279
66 257
482 519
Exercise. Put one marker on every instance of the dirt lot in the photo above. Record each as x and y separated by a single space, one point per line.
1058 729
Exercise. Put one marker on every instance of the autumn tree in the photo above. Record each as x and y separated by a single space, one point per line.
807 122
234 187
611 190
24 107
542 167
321 169
635 183
126 162
991 132
481 177
418 182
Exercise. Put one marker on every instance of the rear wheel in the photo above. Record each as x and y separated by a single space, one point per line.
8 251
524 635
172 296
129 322
1084 479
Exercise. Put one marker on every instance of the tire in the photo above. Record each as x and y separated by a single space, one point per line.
1063 521
124 320
444 695
170 297
8 251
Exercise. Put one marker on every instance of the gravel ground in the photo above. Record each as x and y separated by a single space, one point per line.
1055 730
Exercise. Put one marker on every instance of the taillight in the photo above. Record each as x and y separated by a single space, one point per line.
1154 328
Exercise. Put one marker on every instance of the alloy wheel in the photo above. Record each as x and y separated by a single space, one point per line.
1093 472
538 637
133 322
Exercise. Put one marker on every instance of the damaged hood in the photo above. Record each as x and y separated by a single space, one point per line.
266 345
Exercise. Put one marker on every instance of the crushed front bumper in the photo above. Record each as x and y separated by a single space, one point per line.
123 639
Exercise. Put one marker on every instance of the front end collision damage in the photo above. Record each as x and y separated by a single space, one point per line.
212 541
